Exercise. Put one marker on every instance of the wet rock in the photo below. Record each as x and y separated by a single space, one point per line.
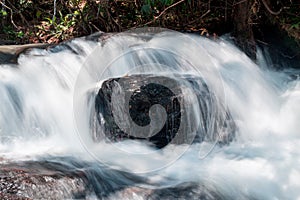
69 178
123 106
180 191
61 178
33 181
100 36
186 191
103 37
9 53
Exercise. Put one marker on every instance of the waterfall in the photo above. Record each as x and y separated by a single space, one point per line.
47 101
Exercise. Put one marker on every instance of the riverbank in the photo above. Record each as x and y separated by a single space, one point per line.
46 21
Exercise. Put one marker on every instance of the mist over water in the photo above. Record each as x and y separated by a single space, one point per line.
45 113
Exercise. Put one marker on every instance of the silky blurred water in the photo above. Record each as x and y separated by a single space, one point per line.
41 114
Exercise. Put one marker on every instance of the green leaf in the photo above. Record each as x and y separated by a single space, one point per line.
3 13
146 9
76 12
295 26
38 14
49 20
61 17
20 34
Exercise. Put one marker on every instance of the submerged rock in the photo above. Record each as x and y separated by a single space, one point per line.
61 178
34 181
180 191
67 178
126 108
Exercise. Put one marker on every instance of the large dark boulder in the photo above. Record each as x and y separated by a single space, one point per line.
126 108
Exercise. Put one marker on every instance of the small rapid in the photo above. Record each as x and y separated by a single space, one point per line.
47 101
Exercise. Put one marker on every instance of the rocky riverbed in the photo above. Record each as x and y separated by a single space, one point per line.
26 180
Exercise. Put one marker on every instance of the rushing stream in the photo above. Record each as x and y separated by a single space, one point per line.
47 106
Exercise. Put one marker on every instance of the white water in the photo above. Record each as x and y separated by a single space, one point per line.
38 117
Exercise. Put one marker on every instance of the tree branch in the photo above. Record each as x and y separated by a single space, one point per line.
11 14
269 9
163 12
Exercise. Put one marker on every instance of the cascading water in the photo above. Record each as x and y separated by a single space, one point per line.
47 101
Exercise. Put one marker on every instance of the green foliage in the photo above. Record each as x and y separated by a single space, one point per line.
296 25
59 27
11 33
35 22
289 20
3 13
146 9
20 34
38 14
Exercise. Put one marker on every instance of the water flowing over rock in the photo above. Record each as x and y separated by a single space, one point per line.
71 179
9 53
68 179
48 113
195 118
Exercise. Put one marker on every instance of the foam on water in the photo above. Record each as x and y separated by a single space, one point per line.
37 115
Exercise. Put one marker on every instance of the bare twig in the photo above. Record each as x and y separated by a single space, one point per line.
242 1
113 19
18 12
208 10
11 14
54 11
95 27
163 12
82 17
262 42
23 19
269 9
